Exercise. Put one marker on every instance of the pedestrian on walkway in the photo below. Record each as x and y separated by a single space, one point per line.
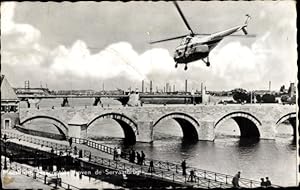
70 141
143 157
192 176
138 157
151 167
80 153
75 150
118 153
262 183
115 154
235 180
133 156
90 157
183 166
268 182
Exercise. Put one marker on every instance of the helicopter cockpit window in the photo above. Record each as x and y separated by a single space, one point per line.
185 40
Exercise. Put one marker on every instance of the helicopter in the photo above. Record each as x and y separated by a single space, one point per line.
193 47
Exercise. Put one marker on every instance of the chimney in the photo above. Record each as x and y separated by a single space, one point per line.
167 87
185 86
142 86
150 86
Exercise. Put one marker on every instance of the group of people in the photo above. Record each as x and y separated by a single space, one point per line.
192 175
266 183
140 157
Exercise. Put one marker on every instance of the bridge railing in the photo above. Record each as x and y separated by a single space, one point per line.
171 176
56 146
92 144
161 165
169 166
35 174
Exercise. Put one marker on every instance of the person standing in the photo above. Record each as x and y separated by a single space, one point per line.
151 167
143 156
118 153
192 175
268 182
133 156
235 180
262 183
115 154
138 157
90 157
183 166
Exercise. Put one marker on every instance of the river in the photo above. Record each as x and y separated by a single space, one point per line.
228 154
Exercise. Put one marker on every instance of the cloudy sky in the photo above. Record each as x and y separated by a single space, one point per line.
83 45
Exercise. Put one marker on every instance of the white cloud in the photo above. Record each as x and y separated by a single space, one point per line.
233 64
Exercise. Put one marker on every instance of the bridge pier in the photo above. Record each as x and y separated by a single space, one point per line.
206 131
145 131
268 131
77 127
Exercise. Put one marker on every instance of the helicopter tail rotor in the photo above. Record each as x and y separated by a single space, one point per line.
247 19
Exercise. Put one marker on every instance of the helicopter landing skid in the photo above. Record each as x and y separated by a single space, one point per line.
185 67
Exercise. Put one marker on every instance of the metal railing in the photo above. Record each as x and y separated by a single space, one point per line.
35 174
165 167
169 166
165 175
143 170
56 146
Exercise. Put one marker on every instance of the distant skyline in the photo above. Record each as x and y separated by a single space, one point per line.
85 44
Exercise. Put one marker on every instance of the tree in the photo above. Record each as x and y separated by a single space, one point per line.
240 95
293 99
282 88
258 98
284 98
268 98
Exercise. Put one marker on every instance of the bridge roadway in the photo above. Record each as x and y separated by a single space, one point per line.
130 99
198 122
46 96
101 155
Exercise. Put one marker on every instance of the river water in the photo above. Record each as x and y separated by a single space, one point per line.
228 154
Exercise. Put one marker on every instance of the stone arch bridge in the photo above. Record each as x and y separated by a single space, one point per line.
198 122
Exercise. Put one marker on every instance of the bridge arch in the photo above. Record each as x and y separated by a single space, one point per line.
62 130
248 124
187 123
129 127
291 117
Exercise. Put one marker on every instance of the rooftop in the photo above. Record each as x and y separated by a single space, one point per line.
7 92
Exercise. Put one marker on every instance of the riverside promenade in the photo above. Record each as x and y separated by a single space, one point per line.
102 155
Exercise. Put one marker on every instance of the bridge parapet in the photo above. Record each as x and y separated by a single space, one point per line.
203 118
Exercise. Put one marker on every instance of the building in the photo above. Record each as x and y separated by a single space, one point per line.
9 105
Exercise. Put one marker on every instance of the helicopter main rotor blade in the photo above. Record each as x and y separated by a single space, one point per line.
232 35
182 16
168 39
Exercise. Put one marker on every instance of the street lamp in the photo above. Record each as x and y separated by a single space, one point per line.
5 163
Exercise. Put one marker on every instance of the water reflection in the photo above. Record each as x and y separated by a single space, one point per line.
248 142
